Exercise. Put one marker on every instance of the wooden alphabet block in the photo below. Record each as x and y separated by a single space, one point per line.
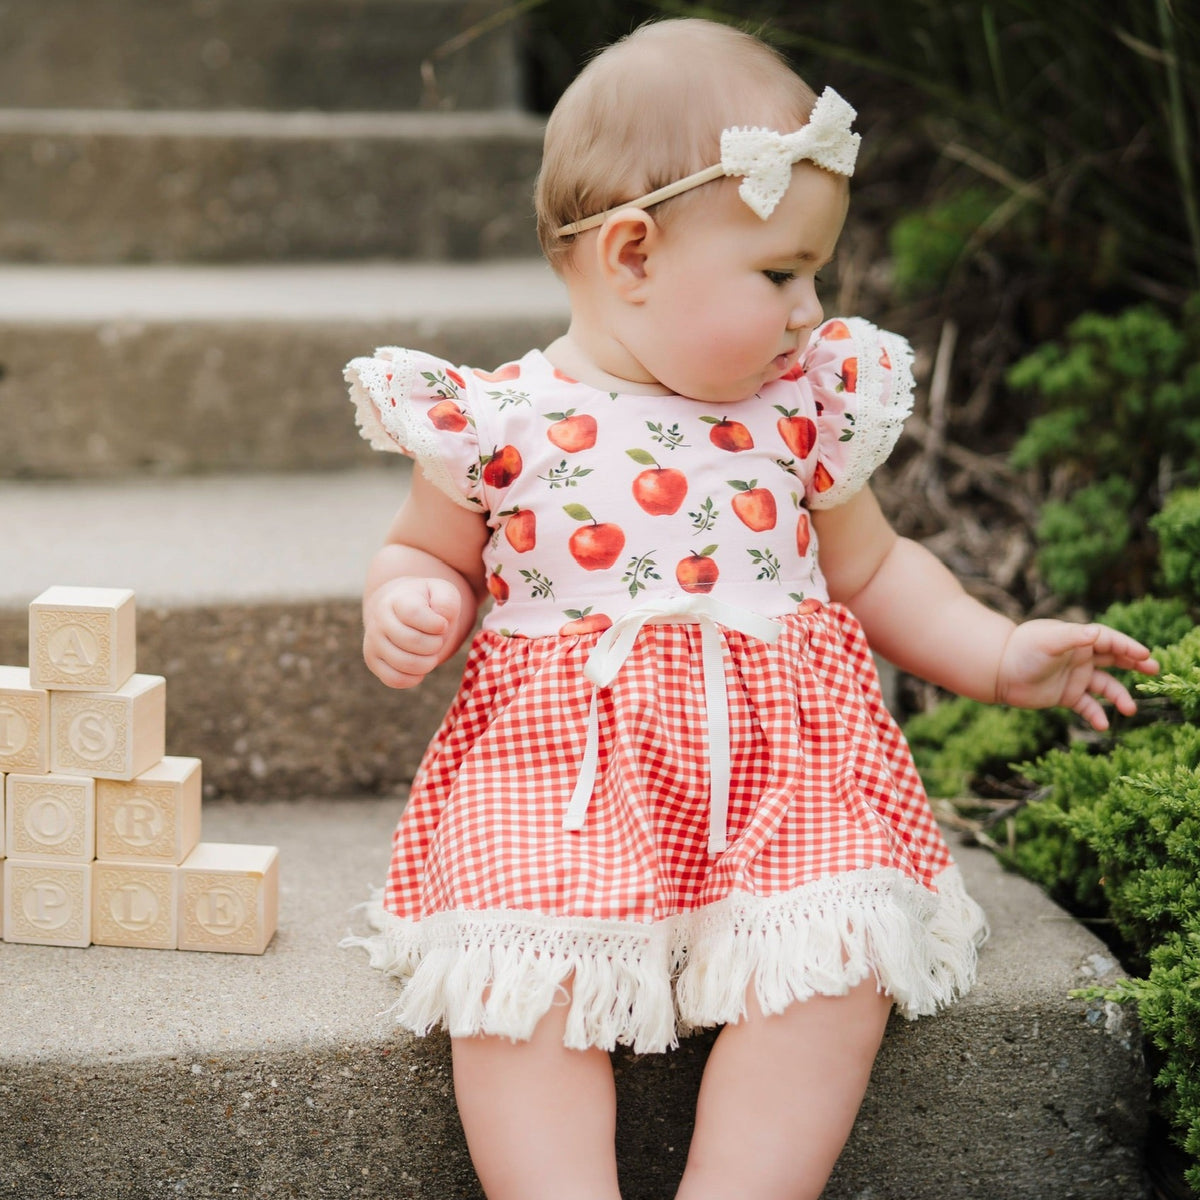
50 818
228 898
134 905
82 639
154 818
24 722
48 904
109 735
1 815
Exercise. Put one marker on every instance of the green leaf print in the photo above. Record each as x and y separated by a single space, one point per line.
766 562
638 570
706 518
672 438
542 588
565 476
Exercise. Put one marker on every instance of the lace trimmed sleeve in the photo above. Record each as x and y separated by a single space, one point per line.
408 402
862 382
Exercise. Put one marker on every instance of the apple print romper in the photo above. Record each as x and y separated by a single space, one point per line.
668 773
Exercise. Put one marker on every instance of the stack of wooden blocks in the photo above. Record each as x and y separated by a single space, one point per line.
100 838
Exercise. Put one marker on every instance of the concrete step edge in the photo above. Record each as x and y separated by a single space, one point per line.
202 1072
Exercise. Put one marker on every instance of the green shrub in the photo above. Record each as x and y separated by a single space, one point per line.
926 246
1084 539
1154 621
1178 529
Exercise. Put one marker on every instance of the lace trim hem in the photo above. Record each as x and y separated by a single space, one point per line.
643 986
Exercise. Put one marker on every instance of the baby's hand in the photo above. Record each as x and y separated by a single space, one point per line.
1045 663
406 625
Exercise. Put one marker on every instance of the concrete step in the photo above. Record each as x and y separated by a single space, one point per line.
274 54
93 186
130 1074
109 371
248 603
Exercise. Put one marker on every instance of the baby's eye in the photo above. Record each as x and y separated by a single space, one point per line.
779 278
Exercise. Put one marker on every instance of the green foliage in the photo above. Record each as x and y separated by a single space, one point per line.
960 744
1178 529
928 245
1119 428
1083 539
1154 621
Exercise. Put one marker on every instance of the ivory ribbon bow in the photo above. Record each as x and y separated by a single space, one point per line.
608 657
764 158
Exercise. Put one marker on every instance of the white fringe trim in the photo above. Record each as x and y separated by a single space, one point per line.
643 985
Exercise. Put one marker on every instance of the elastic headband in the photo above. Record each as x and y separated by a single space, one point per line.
763 159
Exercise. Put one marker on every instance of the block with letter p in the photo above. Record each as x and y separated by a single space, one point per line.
109 735
82 639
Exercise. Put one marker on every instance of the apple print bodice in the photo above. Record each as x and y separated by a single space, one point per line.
599 502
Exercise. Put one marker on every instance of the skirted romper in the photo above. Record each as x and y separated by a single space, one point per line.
668 774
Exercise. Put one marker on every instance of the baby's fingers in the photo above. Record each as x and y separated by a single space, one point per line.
1113 649
1106 687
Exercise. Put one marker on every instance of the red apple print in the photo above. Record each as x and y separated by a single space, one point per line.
835 331
848 379
597 546
660 491
508 371
497 586
753 506
455 378
698 572
884 361
584 621
822 480
795 373
799 433
520 529
728 435
447 415
502 467
564 376
570 432
808 605
803 534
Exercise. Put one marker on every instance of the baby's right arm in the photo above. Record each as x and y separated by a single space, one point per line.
423 587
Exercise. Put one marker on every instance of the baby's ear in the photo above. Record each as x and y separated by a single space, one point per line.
623 244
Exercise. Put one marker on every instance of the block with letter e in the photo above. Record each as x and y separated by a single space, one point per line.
152 818
109 735
228 898
82 639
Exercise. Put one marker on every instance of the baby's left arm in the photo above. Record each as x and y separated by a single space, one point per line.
918 617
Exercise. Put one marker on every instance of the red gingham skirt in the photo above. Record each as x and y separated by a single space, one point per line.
835 867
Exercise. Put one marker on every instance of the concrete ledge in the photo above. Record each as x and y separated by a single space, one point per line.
173 370
273 54
137 1074
93 187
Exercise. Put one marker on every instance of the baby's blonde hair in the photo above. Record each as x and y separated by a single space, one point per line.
649 110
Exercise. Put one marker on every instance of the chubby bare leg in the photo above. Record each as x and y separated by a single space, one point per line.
779 1097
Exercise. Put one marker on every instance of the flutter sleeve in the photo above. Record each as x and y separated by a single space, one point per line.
862 382
409 402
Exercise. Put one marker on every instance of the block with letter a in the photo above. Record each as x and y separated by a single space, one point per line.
82 639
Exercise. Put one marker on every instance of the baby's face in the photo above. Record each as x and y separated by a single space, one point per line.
733 297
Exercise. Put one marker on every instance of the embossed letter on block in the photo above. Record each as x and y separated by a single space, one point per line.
133 905
109 735
50 817
82 639
24 722
228 898
154 818
48 903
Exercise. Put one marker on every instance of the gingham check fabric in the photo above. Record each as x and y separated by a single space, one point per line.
822 781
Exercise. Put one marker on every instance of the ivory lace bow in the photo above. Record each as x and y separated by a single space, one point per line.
764 160
608 657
